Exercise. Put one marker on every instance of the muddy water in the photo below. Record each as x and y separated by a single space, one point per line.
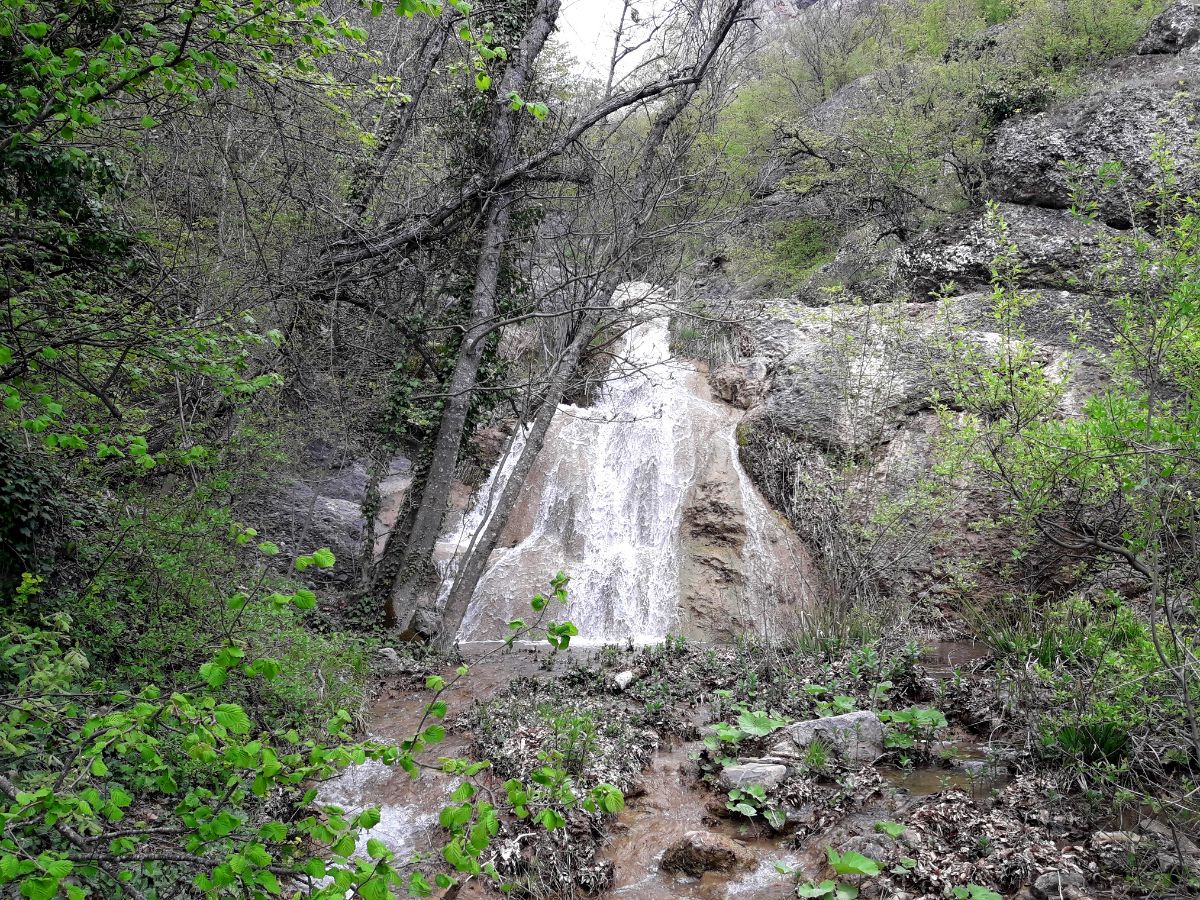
409 809
924 781
672 805
669 809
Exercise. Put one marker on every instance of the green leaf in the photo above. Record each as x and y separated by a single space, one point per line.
417 886
891 829
369 818
758 724
324 558
852 863
232 717
304 599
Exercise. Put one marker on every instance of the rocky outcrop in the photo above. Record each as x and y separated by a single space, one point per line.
698 852
843 376
742 384
1053 249
853 381
323 506
1177 30
1133 109
856 737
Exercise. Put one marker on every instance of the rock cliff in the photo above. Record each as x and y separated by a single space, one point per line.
832 378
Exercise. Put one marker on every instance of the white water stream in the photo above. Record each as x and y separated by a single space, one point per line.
609 502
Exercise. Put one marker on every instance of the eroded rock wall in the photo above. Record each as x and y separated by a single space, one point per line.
840 421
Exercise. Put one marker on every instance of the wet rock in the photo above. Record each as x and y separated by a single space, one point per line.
1033 160
1054 249
742 383
766 775
1174 31
698 852
623 680
801 815
856 736
1059 885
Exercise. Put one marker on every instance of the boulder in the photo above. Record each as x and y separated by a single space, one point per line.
1054 249
1059 885
698 852
1039 160
623 680
856 737
744 775
1176 30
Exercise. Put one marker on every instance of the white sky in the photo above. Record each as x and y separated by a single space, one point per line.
587 26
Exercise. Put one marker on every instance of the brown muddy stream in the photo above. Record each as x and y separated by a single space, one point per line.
671 805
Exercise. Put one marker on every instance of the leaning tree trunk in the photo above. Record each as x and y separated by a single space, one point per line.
466 579
416 575
643 207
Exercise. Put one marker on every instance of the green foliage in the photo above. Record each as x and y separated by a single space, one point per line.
891 829
848 864
753 800
830 889
908 726
85 765
975 892
851 863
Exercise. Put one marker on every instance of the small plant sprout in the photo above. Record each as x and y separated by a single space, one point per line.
891 829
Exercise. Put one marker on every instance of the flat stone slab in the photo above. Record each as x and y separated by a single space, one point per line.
856 736
769 775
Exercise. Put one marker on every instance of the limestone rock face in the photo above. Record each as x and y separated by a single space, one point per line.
1177 30
741 384
323 506
844 376
1054 250
698 852
856 736
1030 160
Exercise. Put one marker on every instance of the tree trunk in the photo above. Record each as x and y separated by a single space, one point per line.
643 207
416 574
472 568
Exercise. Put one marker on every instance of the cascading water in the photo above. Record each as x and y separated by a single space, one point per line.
607 503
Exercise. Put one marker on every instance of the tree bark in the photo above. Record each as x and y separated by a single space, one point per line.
416 574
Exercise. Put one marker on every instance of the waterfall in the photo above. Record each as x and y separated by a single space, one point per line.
606 503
